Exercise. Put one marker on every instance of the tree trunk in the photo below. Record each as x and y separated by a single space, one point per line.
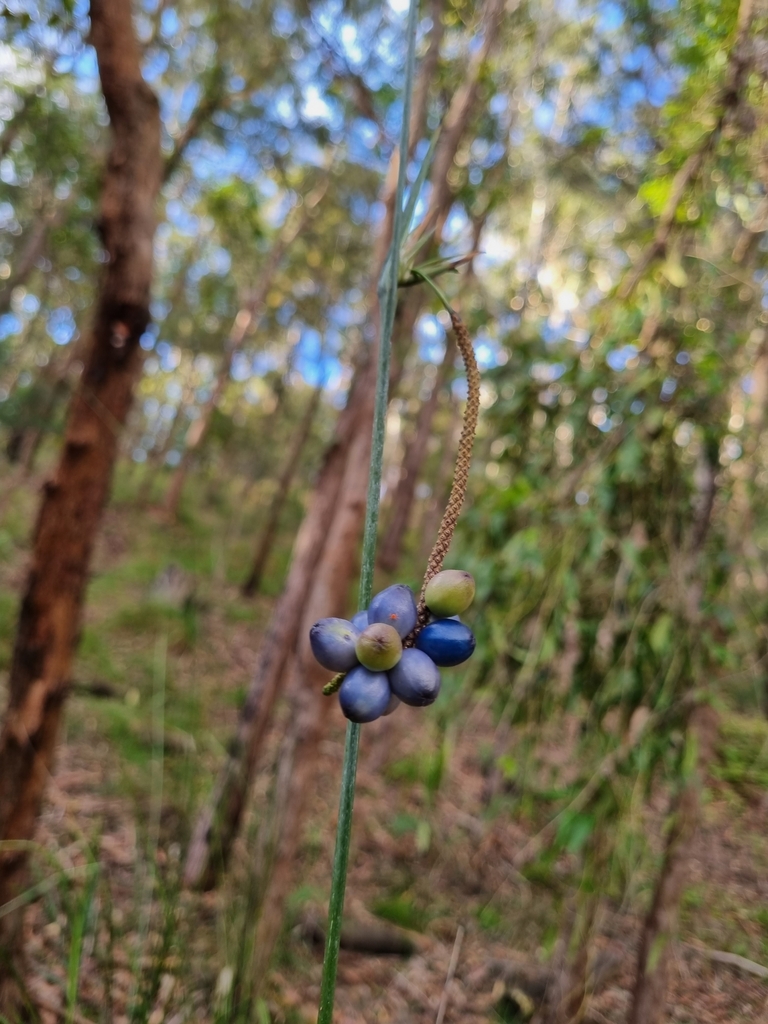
321 571
649 997
74 499
248 314
266 543
413 460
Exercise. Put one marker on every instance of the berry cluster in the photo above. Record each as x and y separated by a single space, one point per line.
380 671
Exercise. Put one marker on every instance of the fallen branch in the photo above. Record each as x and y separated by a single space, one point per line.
356 937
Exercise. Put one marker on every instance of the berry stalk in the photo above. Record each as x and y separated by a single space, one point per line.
387 304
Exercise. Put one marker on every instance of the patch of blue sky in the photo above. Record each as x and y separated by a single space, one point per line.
284 107
487 350
284 22
159 309
547 373
285 313
459 389
430 335
169 23
660 87
553 333
358 208
30 304
633 92
86 70
544 116
344 315
499 104
365 133
169 355
348 37
619 357
210 162
9 324
315 107
219 261
155 65
610 17
61 325
181 218
240 369
313 360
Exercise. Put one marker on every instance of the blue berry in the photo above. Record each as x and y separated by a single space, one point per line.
397 607
360 621
333 644
364 696
446 641
415 679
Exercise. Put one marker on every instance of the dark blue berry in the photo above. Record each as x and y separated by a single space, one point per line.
446 641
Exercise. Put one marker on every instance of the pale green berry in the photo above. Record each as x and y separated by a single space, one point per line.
449 593
379 647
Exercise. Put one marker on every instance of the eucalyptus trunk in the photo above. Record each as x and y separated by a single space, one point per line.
73 500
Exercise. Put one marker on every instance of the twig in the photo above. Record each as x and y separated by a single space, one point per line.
731 959
449 976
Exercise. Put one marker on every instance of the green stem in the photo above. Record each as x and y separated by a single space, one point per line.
438 291
387 302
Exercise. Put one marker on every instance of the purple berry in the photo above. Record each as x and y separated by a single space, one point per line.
446 641
397 607
360 620
333 644
415 679
364 696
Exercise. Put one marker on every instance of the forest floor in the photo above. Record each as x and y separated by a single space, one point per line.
164 661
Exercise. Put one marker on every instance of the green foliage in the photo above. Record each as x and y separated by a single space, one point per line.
401 910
